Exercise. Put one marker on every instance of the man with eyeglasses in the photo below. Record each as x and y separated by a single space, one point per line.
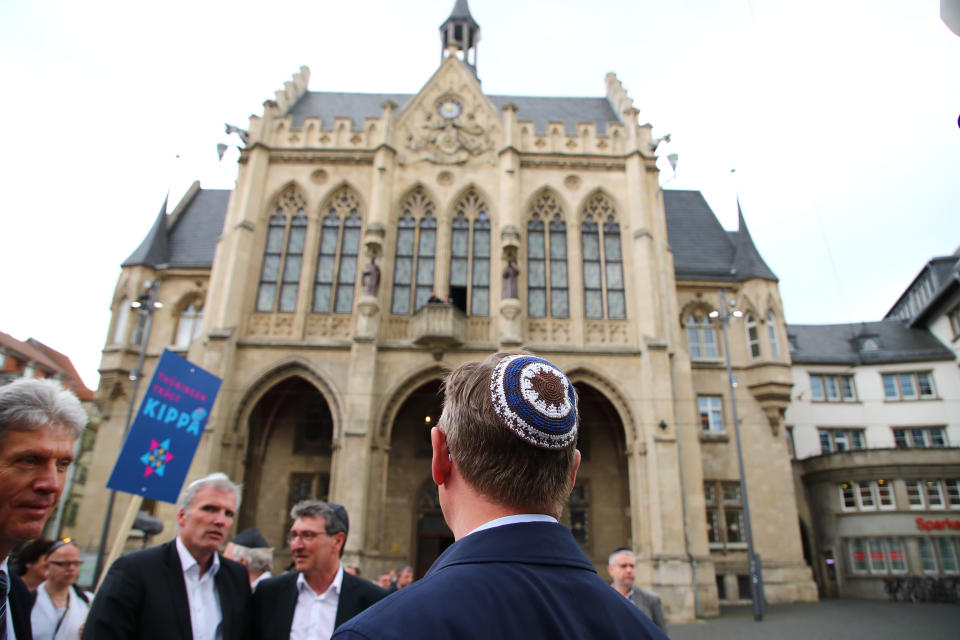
320 596
182 589
39 423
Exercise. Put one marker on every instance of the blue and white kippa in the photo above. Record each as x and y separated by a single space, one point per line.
535 400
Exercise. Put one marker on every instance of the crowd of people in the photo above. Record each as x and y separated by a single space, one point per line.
504 460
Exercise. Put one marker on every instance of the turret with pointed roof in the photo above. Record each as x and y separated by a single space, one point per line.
460 33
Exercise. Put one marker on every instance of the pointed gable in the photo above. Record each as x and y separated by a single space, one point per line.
155 249
450 121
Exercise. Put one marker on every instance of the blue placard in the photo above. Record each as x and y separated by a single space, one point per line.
166 431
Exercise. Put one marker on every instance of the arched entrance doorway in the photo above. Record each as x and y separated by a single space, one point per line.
288 459
598 513
414 526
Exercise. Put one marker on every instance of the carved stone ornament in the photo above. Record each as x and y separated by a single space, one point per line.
450 122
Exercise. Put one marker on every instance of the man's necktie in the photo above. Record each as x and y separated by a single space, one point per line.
3 605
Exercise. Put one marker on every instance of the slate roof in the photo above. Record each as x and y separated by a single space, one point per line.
841 344
702 248
192 240
328 105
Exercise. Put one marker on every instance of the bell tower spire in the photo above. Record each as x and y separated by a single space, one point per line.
459 35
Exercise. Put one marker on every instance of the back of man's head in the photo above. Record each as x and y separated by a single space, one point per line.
32 403
511 426
255 559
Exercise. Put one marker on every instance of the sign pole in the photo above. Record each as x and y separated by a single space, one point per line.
125 525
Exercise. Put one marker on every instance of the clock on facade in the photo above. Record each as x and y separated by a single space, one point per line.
448 108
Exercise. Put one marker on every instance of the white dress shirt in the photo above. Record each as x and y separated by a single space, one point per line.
263 576
11 635
315 615
205 612
514 519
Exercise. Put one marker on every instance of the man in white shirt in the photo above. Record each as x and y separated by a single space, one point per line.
184 588
39 423
311 603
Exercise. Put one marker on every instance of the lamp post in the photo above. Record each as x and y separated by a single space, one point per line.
724 314
145 304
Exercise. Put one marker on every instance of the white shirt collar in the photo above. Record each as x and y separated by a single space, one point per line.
187 561
514 519
335 585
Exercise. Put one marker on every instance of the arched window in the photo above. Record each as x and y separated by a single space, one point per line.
547 252
701 338
470 257
602 262
416 245
772 334
283 254
335 281
123 314
753 336
188 326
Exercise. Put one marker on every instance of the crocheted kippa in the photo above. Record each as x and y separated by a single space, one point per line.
535 400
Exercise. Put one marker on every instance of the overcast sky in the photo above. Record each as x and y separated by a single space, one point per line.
839 117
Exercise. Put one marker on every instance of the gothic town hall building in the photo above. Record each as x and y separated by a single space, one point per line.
312 290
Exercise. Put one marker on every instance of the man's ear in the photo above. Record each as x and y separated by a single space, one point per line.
441 463
576 466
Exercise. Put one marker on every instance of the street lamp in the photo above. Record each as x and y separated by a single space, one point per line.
727 311
145 304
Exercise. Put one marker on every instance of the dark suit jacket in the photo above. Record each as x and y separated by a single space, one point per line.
526 581
144 596
275 601
20 604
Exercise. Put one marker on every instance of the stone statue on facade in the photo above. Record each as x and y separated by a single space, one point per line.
370 278
510 274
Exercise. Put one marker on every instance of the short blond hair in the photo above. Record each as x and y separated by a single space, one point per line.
492 459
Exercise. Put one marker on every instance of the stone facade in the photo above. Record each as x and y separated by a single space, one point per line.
331 368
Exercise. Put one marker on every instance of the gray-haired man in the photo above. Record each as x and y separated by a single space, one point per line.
622 568
250 549
184 588
39 423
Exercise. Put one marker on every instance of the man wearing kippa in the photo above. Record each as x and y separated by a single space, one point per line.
250 549
504 461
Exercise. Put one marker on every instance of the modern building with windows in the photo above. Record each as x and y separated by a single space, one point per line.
375 241
875 432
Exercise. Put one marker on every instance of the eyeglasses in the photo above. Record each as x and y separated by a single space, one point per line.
66 564
306 536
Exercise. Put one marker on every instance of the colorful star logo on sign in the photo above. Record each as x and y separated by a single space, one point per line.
157 458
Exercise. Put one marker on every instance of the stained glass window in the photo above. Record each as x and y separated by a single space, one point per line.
283 254
602 260
413 271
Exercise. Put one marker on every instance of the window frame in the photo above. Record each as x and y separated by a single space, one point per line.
854 439
471 216
753 336
417 213
832 387
598 225
772 335
192 315
698 327
907 386
920 437
711 413
546 217
719 506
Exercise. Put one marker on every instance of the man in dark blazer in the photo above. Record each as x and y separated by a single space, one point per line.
174 591
282 605
504 461
39 422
